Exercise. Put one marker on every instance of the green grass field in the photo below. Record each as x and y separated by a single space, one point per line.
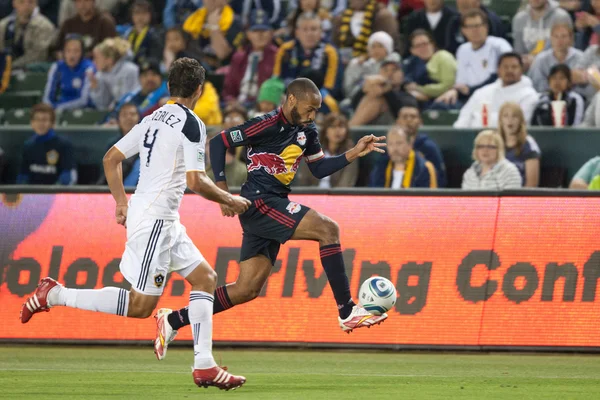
59 372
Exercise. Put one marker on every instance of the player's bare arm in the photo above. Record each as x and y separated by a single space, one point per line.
114 177
199 183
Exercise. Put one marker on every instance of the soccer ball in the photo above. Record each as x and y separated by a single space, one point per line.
377 295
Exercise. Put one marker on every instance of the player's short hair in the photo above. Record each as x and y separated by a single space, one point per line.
43 108
511 54
561 69
185 75
301 88
477 12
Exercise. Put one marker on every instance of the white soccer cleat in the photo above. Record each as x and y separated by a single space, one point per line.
359 318
164 333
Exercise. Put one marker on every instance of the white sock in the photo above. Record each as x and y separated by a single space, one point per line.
200 313
110 300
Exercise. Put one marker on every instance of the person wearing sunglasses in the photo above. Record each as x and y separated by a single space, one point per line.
491 170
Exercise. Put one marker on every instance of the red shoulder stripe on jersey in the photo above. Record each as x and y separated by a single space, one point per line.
224 136
254 129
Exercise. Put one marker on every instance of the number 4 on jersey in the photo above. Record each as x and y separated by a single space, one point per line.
149 145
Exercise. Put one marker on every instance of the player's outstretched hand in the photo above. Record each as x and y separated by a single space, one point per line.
121 214
370 143
240 204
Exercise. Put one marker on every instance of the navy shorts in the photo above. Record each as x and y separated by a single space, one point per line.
269 222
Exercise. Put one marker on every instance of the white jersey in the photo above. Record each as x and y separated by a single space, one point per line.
170 142
476 66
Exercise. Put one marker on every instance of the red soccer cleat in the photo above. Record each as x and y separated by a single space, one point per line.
219 377
360 318
39 301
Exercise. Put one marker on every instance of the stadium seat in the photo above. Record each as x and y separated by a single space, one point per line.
19 100
440 118
27 81
81 117
17 116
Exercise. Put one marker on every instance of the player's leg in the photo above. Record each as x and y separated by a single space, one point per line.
317 227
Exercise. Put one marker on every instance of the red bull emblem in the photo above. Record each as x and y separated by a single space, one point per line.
301 138
293 207
272 163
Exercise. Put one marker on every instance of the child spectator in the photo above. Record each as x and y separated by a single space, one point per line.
142 38
520 148
47 158
491 170
68 85
116 75
560 86
176 47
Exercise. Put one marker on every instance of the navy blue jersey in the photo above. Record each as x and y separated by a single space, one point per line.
275 148
48 160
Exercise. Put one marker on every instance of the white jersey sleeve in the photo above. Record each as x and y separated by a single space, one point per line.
129 144
194 142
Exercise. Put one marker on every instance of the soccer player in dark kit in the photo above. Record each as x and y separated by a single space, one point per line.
276 143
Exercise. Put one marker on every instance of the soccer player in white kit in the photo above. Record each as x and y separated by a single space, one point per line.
170 143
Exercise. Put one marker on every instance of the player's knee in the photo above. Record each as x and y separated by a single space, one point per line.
331 232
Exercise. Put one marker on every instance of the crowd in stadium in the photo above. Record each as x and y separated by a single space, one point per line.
376 62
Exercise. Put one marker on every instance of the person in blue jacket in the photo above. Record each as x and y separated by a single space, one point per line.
68 85
402 167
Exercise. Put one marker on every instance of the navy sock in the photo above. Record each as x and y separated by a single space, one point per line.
333 264
178 319
222 301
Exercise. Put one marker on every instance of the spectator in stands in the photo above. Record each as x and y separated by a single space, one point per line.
252 64
177 11
308 51
333 7
456 27
409 119
127 117
235 169
147 97
328 103
208 107
381 97
587 23
352 29
586 174
591 118
562 52
91 23
68 85
47 158
587 82
520 148
176 47
143 39
334 135
26 34
380 49
484 105
531 28
491 170
269 96
116 75
429 71
560 89
435 18
5 70
477 59
216 30
68 8
313 6
402 167
273 8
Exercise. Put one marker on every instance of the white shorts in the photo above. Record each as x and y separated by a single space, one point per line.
154 248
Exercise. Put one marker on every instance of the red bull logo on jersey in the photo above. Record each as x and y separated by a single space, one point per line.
282 166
